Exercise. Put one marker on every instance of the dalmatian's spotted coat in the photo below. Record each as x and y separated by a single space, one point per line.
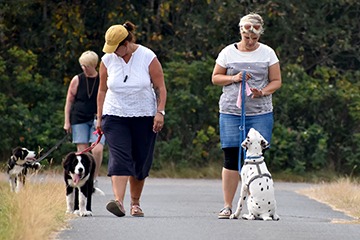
256 181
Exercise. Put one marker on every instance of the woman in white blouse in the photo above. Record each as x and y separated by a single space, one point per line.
131 108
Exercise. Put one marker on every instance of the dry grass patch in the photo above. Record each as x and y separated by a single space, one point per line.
36 212
342 195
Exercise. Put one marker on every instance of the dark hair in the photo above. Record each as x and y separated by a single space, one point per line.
131 28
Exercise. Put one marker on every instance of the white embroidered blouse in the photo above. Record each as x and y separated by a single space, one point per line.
130 90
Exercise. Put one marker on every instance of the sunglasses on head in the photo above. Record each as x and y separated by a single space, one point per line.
248 26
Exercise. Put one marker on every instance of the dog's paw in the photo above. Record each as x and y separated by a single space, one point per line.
83 213
87 214
248 216
69 212
233 216
275 217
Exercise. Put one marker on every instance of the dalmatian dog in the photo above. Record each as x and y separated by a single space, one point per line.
256 181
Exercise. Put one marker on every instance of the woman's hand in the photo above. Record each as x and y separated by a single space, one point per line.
238 77
158 122
67 127
256 93
98 126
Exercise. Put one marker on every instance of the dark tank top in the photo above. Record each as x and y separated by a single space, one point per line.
84 107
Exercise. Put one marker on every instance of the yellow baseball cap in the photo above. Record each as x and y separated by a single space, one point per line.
113 36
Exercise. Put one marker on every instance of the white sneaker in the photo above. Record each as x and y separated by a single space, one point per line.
96 184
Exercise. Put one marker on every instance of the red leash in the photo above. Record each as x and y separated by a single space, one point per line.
88 149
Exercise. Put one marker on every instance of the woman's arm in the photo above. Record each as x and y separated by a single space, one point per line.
274 78
101 93
220 78
157 78
70 98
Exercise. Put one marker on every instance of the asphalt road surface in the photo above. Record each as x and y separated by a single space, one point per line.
187 209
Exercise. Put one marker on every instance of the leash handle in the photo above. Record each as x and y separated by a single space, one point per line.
88 149
242 124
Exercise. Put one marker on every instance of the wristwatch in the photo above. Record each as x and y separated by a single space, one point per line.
162 112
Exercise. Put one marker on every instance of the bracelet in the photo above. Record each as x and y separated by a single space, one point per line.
233 78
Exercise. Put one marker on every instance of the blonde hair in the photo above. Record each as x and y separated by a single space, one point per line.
253 19
89 58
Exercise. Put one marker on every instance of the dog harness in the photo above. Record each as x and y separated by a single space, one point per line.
260 174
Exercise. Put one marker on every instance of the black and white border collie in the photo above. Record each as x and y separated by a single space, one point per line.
79 179
20 161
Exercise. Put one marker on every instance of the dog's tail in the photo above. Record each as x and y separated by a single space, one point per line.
98 191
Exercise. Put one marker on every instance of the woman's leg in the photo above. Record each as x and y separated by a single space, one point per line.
230 181
97 152
119 187
116 206
136 187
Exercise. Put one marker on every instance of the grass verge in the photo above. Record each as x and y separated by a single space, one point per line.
341 195
35 213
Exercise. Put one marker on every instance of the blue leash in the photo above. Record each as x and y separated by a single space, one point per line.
242 125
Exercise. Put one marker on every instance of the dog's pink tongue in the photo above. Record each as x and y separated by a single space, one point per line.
76 178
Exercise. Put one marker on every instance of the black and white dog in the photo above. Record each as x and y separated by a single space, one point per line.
79 178
256 181
20 161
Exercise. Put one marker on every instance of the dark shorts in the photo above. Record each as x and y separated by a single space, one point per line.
230 134
131 142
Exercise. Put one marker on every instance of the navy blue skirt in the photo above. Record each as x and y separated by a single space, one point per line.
131 142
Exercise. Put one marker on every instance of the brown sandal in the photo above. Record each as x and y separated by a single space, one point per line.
225 213
116 208
136 211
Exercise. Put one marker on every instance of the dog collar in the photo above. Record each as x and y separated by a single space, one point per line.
254 163
252 160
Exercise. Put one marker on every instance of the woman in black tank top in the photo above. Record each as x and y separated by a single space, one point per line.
81 107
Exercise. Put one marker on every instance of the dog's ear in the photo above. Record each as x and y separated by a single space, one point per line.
245 143
15 150
18 153
67 159
264 144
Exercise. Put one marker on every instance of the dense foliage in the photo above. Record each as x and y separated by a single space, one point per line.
316 111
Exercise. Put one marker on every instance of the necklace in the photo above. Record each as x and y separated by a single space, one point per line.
127 76
90 93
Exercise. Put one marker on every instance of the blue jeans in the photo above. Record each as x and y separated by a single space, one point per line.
230 135
230 132
83 133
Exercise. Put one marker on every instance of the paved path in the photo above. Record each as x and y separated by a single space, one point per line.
187 209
